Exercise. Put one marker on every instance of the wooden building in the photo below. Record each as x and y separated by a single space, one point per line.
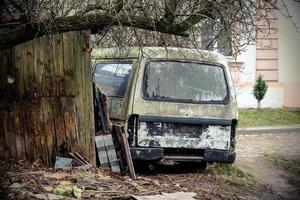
46 99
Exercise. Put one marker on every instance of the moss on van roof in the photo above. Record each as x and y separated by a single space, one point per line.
156 52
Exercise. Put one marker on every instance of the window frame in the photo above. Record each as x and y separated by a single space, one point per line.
115 61
225 101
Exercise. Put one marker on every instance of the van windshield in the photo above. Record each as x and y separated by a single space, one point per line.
185 82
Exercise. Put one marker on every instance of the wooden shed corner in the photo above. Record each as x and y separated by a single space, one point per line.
46 98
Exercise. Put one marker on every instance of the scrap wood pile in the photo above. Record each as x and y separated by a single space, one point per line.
111 142
77 160
112 148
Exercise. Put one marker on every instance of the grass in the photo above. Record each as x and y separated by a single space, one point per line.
285 163
232 174
268 117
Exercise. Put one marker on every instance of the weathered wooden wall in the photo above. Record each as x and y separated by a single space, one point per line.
49 106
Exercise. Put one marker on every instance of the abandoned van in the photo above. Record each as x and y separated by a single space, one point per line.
174 103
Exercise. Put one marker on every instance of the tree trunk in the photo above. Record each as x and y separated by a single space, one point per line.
258 106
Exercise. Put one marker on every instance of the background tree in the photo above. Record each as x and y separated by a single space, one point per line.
259 90
137 22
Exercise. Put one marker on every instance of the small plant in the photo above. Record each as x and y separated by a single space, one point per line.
259 90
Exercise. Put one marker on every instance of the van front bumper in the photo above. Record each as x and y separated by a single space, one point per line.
157 154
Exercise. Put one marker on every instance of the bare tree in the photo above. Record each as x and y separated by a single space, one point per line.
151 22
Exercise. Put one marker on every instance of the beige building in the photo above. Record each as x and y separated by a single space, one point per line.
276 55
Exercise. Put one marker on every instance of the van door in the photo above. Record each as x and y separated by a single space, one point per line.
111 78
184 104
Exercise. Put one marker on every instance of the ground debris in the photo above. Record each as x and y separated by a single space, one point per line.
39 182
168 196
47 196
63 163
16 185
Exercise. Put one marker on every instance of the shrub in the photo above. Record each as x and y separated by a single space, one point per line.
259 90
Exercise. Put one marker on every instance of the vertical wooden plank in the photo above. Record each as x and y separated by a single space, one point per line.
69 119
10 132
57 63
49 129
78 87
23 123
25 68
4 65
27 128
41 130
6 101
6 128
27 61
29 108
18 63
48 66
68 88
88 112
124 142
83 95
32 128
39 63
19 133
59 125
34 135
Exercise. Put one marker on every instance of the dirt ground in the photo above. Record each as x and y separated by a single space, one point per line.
22 180
251 150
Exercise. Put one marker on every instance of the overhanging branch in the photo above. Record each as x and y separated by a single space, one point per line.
13 35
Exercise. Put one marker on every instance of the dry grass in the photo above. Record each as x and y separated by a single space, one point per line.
232 174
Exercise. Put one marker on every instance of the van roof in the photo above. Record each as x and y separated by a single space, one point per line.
157 53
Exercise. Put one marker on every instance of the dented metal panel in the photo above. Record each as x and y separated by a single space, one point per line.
171 135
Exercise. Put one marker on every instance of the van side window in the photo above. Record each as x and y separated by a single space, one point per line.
112 78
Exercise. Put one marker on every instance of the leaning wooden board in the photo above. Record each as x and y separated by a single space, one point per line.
125 146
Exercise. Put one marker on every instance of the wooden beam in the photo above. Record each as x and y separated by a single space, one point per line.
126 148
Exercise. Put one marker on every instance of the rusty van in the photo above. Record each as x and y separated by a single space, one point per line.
175 104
